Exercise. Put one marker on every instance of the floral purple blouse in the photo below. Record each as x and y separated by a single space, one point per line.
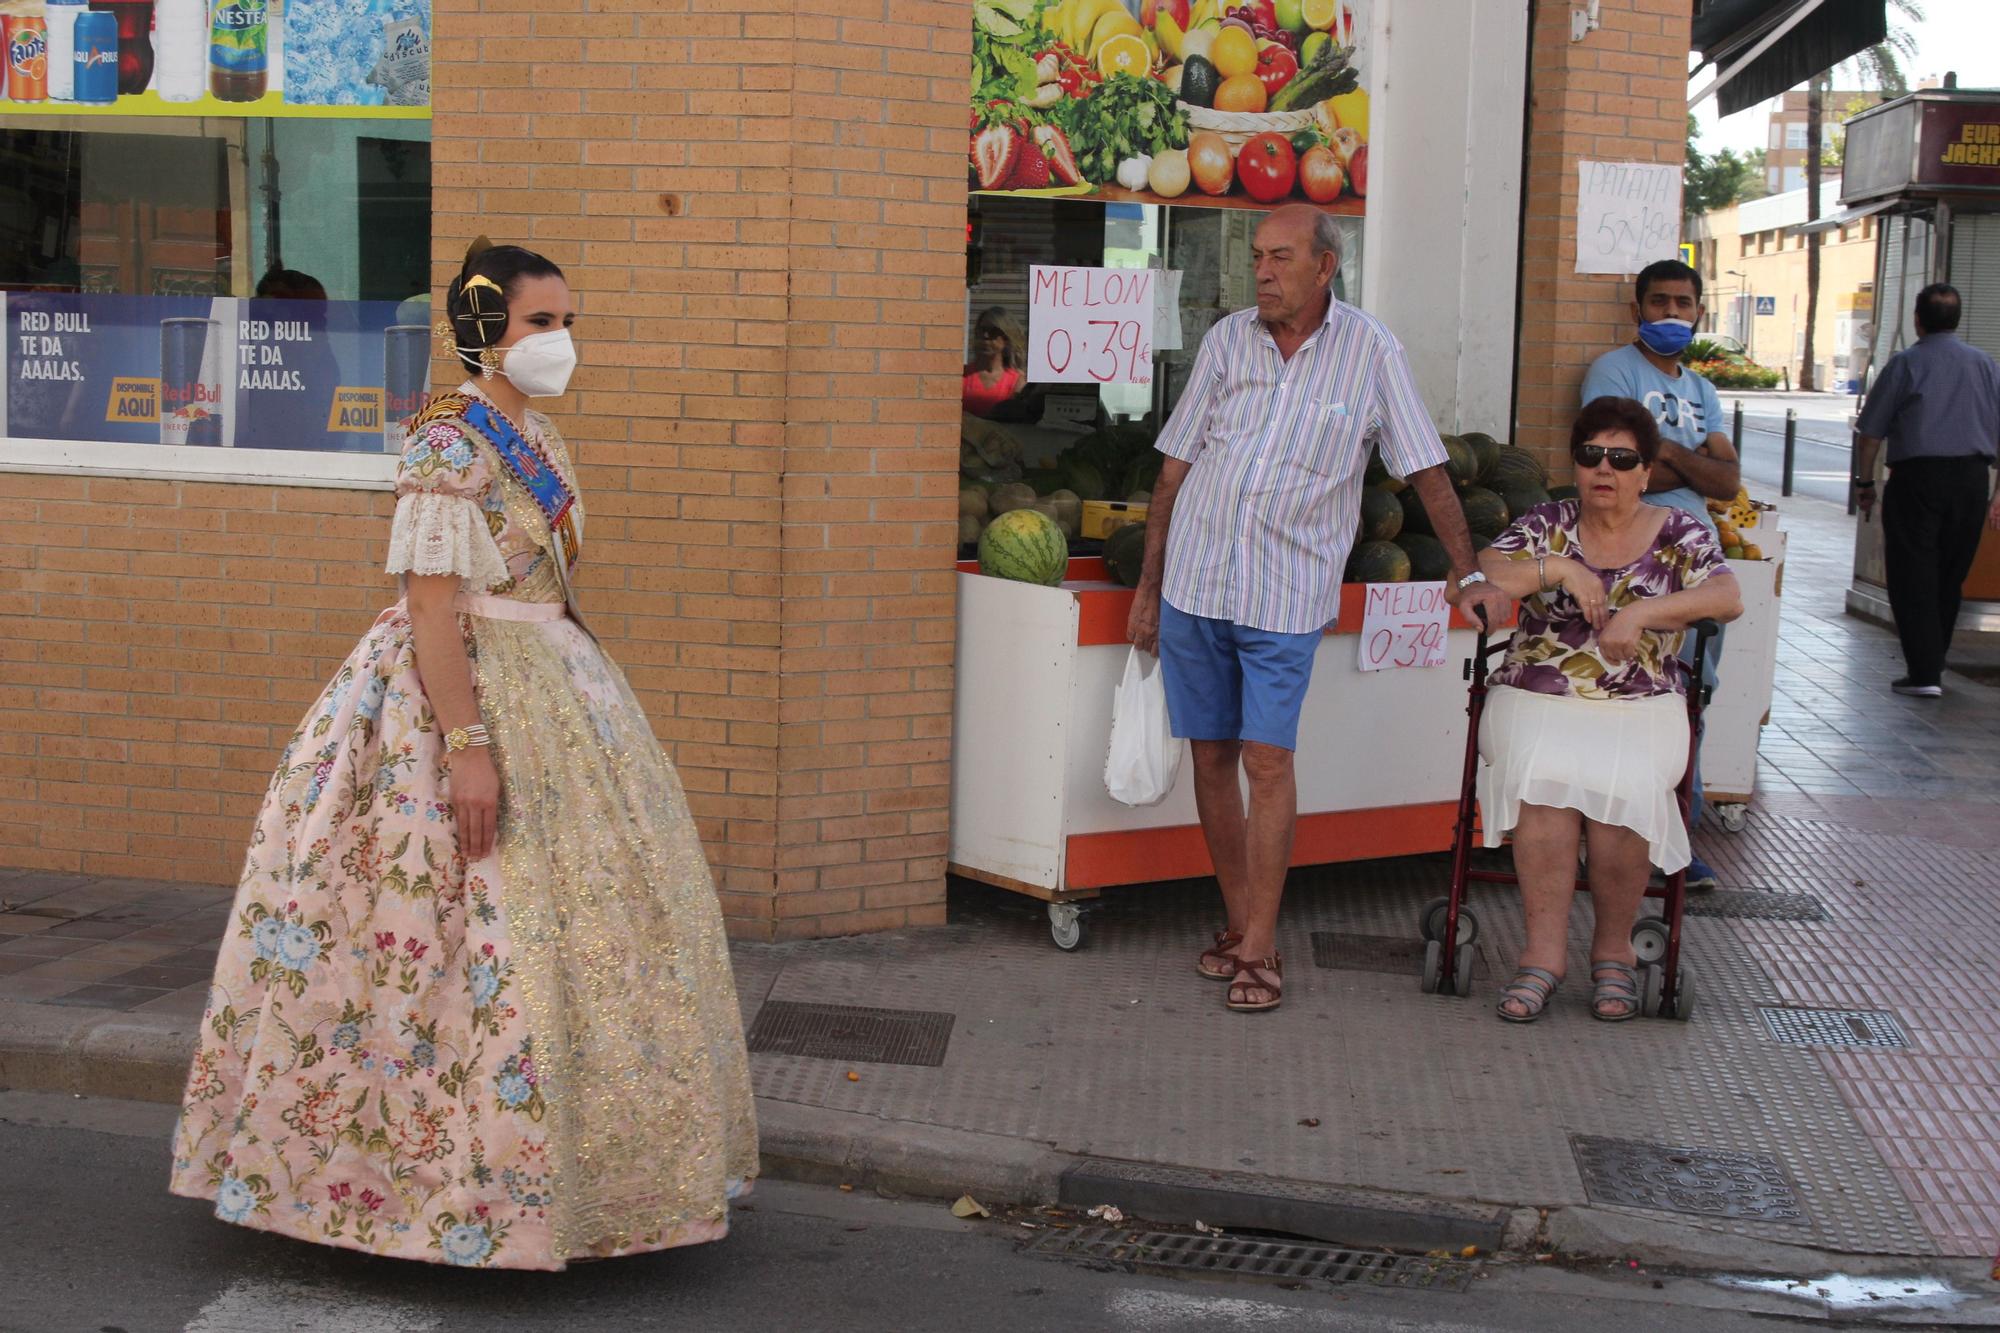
1555 649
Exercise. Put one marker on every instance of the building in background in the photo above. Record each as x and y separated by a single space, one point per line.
1785 141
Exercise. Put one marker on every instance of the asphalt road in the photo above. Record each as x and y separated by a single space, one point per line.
93 1243
1821 455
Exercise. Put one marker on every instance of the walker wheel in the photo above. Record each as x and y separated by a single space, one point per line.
1684 992
1461 972
1431 924
1649 939
1652 979
1066 926
1433 965
1735 816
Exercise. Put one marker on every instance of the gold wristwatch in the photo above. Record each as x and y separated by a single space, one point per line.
465 738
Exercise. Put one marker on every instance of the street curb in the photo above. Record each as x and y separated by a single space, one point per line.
95 1052
1599 1233
817 1146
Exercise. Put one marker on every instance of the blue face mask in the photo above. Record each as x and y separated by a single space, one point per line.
1668 337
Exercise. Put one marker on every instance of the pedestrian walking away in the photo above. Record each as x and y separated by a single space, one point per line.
1246 542
475 1005
1697 462
1937 405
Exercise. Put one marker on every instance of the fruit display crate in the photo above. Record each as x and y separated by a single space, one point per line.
1379 752
1744 679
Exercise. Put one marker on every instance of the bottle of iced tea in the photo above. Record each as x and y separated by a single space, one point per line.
238 49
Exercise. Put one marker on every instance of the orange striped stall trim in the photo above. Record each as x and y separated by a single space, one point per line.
1140 856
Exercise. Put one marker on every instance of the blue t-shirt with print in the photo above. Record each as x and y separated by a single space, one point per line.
1685 405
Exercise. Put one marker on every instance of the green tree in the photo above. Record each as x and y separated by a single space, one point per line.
1714 182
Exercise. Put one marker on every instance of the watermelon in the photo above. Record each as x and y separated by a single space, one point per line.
1485 514
1081 478
1428 561
1562 492
1460 461
1381 515
1414 517
1521 497
1024 545
1378 562
1014 495
1486 450
1125 553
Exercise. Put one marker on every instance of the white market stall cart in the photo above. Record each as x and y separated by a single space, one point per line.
1380 752
1742 704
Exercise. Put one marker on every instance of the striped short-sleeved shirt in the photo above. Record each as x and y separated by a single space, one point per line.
1262 525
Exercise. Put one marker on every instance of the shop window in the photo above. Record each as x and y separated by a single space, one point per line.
214 240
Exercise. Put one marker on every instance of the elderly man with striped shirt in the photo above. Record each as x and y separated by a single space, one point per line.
1250 526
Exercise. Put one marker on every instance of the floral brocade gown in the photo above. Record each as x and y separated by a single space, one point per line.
517 1062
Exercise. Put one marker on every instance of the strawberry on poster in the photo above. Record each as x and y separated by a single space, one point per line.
1090 325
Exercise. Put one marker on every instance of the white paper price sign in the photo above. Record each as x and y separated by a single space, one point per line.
1090 325
1404 626
1627 215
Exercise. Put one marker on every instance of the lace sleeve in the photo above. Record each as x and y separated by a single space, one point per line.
444 534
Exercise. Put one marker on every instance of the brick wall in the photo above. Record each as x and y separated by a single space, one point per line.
761 206
1618 95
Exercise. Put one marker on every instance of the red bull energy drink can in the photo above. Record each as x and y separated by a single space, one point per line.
27 40
96 64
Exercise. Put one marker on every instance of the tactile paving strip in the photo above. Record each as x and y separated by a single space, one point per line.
1247 1258
1834 1027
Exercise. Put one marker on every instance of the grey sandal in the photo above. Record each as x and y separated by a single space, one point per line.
1531 989
1620 987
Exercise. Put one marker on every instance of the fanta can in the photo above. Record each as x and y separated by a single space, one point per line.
96 60
27 58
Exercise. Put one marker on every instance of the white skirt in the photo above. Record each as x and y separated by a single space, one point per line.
1617 762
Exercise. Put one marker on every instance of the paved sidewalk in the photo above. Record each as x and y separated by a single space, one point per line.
1865 881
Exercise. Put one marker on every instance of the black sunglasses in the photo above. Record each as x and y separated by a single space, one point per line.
1590 455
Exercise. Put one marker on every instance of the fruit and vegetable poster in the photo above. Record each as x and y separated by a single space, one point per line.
1213 103
216 371
355 59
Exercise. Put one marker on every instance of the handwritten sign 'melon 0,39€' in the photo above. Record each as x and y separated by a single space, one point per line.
1090 325
1404 626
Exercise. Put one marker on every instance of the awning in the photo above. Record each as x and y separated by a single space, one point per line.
1840 218
1818 34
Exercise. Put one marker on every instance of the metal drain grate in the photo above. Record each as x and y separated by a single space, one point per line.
850 1033
1748 1186
1834 1027
1367 953
1757 905
1247 1258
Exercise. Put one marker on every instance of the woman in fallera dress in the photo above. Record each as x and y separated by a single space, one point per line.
474 1004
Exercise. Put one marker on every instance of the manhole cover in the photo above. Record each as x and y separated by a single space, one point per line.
1748 1186
1367 953
1834 1027
1757 905
1246 1257
851 1033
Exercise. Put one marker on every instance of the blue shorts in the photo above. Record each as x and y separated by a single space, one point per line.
1229 682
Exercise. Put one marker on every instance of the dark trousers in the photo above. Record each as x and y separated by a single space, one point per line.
1932 512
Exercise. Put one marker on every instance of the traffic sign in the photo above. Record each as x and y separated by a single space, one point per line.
1767 305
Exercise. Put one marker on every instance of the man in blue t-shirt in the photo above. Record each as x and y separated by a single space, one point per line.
1696 459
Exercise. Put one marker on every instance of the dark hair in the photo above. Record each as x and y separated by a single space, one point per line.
288 284
1665 270
471 312
1613 414
1937 308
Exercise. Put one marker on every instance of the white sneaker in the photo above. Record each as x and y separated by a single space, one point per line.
1915 691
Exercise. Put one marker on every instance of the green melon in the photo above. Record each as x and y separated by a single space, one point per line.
1011 496
1486 450
1378 562
1082 478
1125 553
1460 461
1520 497
1518 463
1024 545
1485 514
1414 517
1428 560
1381 515
1563 492
972 504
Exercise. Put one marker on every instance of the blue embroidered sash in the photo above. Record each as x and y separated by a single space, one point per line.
534 472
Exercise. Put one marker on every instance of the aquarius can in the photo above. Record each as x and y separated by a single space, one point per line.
27 37
94 66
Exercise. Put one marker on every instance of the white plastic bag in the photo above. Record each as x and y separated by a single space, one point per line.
1145 759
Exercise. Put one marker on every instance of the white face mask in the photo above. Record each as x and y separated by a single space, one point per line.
541 363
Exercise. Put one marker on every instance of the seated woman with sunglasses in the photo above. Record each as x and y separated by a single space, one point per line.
1585 732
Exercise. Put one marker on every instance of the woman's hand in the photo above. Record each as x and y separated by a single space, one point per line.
1618 639
475 799
1582 583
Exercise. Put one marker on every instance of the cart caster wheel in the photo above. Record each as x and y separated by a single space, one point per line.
1433 965
1649 939
1684 992
1066 926
1431 924
1735 817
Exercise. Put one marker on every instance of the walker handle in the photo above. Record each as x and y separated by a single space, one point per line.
1704 630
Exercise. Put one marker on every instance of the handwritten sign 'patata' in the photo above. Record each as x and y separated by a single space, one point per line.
1090 325
1627 215
1404 626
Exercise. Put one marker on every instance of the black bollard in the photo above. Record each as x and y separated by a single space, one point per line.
1791 444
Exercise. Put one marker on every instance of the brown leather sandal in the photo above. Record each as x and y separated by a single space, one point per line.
1225 970
1240 988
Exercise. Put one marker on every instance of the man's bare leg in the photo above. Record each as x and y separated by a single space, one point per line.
1274 813
1218 800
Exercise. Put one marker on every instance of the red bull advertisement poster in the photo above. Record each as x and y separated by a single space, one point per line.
1210 103
342 59
214 372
